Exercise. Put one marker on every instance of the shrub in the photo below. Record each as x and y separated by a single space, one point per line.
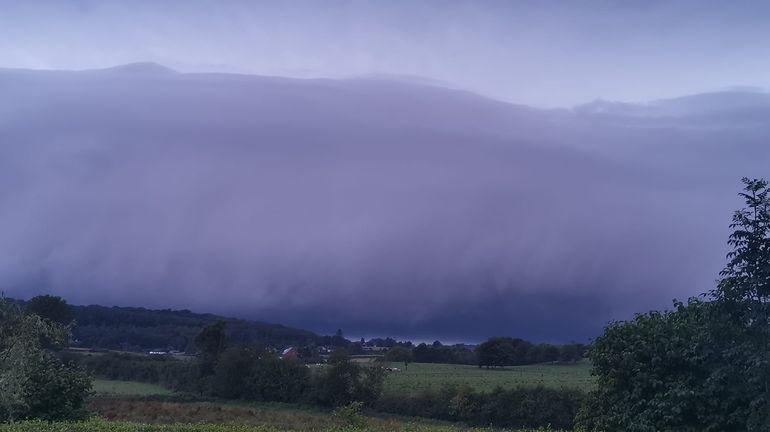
344 381
35 383
515 408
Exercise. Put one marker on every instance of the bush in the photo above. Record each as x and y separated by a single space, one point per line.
350 415
56 391
35 383
256 374
344 381
705 366
178 375
515 408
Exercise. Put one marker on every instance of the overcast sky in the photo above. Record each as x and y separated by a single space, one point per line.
541 53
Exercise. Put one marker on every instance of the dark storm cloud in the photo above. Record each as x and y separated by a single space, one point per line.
378 206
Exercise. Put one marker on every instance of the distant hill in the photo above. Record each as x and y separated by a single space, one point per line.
135 329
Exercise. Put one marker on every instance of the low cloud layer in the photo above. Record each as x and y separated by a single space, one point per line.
378 206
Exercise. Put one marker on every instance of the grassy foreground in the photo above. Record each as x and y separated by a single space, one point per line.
140 415
427 376
97 425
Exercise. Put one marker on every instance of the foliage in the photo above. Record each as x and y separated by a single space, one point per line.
705 366
500 352
438 353
256 374
34 383
399 354
178 375
742 300
497 352
651 373
140 329
350 415
343 382
211 342
51 308
520 407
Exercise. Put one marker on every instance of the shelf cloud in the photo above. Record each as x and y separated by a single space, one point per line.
385 205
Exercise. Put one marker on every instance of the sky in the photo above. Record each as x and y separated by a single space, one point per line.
388 168
538 53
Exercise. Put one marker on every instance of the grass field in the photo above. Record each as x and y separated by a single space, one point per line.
128 388
125 408
423 376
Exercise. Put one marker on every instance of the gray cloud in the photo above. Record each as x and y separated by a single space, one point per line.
369 204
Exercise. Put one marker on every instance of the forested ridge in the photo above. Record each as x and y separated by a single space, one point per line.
141 329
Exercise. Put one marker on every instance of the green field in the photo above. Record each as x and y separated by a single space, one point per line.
424 376
128 388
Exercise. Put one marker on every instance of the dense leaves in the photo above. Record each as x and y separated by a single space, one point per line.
178 375
34 383
51 308
140 329
500 352
343 381
516 408
705 366
260 375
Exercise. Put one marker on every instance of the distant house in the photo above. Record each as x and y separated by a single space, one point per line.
289 353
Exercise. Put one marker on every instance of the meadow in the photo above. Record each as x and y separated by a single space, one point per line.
428 376
125 406
128 388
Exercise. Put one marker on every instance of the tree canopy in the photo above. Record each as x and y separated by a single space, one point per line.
52 308
704 366
34 383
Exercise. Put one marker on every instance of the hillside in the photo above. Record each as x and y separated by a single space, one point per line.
135 329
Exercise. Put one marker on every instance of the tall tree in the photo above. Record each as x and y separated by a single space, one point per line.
743 300
211 342
52 308
34 383
705 366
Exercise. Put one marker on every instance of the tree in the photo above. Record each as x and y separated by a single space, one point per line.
52 308
344 381
34 383
742 299
399 354
705 366
571 353
211 342
338 340
496 352
650 373
232 372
